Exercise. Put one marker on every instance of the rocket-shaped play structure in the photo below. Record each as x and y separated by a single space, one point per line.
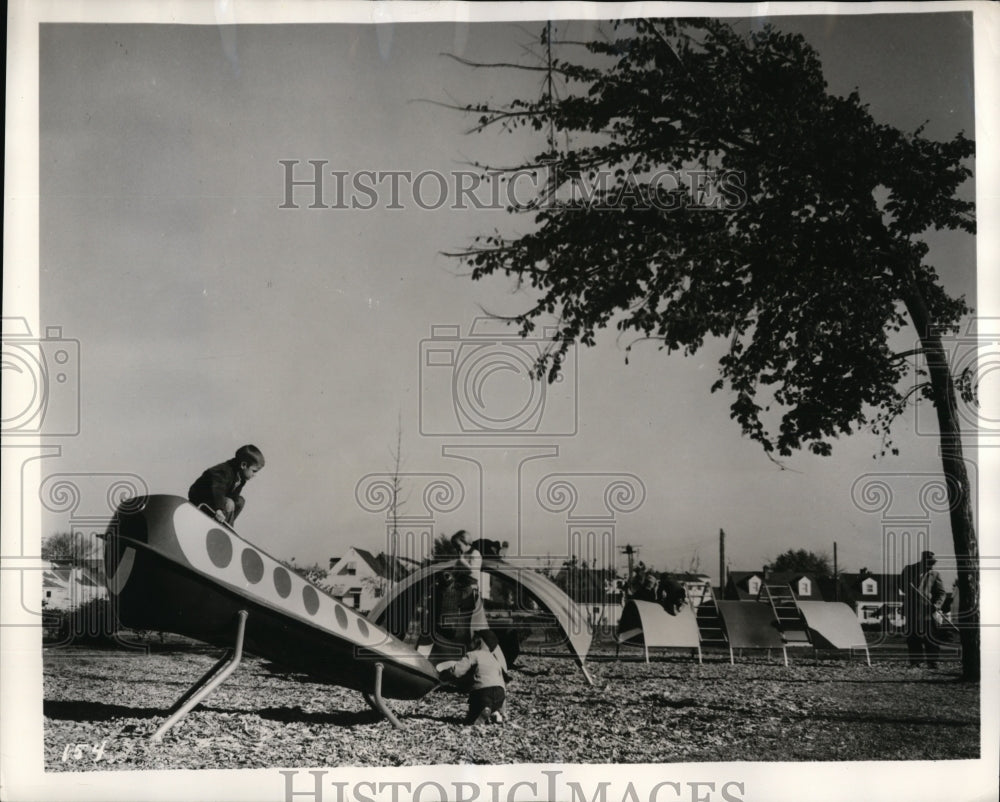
170 567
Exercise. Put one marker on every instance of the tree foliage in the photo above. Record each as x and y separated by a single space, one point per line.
805 275
441 549
712 187
73 548
802 560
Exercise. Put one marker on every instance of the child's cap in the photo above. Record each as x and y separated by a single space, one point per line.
250 454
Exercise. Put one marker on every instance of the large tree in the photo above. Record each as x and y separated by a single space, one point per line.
802 560
808 262
73 548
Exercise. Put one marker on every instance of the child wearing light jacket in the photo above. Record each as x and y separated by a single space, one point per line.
488 669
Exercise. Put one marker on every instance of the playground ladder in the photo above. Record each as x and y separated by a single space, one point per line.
711 630
794 630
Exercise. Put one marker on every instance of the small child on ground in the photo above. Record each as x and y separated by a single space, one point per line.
489 669
219 487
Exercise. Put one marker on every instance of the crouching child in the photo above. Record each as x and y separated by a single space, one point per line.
488 669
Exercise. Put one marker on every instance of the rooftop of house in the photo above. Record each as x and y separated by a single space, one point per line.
738 585
379 564
852 586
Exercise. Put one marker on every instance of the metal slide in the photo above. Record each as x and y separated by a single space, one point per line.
649 625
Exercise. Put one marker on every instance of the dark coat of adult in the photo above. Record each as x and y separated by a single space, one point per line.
923 595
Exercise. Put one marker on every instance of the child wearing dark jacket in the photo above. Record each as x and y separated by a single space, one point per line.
218 488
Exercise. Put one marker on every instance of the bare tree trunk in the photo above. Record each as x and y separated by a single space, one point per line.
963 528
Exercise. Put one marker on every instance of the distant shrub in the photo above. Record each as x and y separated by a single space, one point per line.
93 622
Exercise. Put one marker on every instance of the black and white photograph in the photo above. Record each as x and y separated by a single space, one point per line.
500 402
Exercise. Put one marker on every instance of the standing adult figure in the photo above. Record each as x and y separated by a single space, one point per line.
468 579
923 596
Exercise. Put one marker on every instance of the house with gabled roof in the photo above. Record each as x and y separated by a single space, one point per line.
65 586
876 598
747 585
359 579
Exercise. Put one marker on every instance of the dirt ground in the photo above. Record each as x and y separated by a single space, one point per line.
101 705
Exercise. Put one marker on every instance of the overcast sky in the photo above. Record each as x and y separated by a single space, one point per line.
208 317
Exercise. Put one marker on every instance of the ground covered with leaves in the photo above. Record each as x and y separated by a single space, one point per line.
101 706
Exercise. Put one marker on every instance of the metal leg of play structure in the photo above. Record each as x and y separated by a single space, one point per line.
215 676
376 702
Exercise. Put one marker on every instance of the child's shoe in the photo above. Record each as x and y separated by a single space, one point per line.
483 717
497 717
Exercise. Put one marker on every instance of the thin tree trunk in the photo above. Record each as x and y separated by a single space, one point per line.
963 530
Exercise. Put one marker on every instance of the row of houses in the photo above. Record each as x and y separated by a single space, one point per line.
876 598
360 578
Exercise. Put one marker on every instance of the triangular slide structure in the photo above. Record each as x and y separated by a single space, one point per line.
649 625
750 625
833 625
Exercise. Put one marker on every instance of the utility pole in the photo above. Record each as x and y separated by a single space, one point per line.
722 561
629 551
836 575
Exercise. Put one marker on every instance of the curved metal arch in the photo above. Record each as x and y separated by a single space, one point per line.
551 597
